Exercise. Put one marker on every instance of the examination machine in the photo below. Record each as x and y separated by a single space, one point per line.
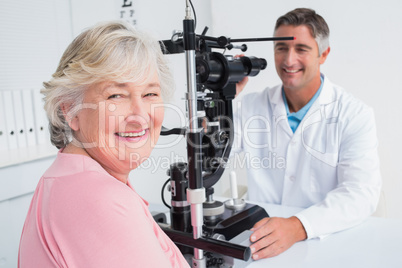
209 233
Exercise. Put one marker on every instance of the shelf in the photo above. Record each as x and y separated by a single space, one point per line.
27 154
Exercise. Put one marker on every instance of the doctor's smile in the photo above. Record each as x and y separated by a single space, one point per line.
292 71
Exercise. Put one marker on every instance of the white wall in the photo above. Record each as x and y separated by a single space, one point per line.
364 59
33 36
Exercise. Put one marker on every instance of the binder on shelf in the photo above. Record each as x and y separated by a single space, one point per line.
3 129
41 123
19 119
27 103
10 121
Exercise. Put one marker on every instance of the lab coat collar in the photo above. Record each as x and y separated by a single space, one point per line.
275 95
278 105
327 93
279 109
326 97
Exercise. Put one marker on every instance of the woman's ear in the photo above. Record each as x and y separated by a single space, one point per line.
72 121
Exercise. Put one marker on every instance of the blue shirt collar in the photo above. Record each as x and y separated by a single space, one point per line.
295 118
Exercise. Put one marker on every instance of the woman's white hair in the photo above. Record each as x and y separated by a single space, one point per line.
111 51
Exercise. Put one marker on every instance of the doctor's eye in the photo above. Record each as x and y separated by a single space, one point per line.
281 49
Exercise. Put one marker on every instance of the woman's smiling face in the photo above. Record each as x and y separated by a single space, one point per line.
119 123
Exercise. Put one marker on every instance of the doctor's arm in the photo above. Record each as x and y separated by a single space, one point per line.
359 180
353 200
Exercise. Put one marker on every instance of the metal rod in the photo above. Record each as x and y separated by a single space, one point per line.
208 244
191 90
262 39
195 192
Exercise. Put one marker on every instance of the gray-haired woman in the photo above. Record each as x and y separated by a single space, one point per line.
105 108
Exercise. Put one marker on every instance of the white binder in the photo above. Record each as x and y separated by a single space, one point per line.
27 103
41 123
10 121
3 129
19 119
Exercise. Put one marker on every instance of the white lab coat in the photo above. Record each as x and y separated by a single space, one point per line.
329 166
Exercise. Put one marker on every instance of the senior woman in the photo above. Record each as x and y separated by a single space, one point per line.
104 104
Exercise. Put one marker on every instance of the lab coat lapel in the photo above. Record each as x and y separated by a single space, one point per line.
326 97
318 128
280 119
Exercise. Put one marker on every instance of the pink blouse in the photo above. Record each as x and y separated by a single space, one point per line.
80 216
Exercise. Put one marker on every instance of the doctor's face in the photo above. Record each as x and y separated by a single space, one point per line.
120 123
298 61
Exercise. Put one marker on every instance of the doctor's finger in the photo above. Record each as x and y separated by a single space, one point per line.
265 247
238 56
260 223
261 232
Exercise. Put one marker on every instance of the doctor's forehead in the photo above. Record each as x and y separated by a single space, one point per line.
292 44
299 32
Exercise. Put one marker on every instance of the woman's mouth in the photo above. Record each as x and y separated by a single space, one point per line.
131 134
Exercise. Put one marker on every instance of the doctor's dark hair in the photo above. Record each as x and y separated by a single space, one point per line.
111 51
305 16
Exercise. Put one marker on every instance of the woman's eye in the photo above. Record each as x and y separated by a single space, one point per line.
150 94
114 96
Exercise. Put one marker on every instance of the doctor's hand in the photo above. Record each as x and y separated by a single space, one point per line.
240 85
272 236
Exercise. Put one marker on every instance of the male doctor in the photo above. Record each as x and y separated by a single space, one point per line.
316 144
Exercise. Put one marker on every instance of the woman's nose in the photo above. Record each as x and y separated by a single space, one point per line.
139 112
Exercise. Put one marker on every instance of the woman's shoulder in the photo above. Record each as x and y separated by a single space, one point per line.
67 164
79 181
92 189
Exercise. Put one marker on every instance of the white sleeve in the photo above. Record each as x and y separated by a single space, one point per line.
237 145
359 180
